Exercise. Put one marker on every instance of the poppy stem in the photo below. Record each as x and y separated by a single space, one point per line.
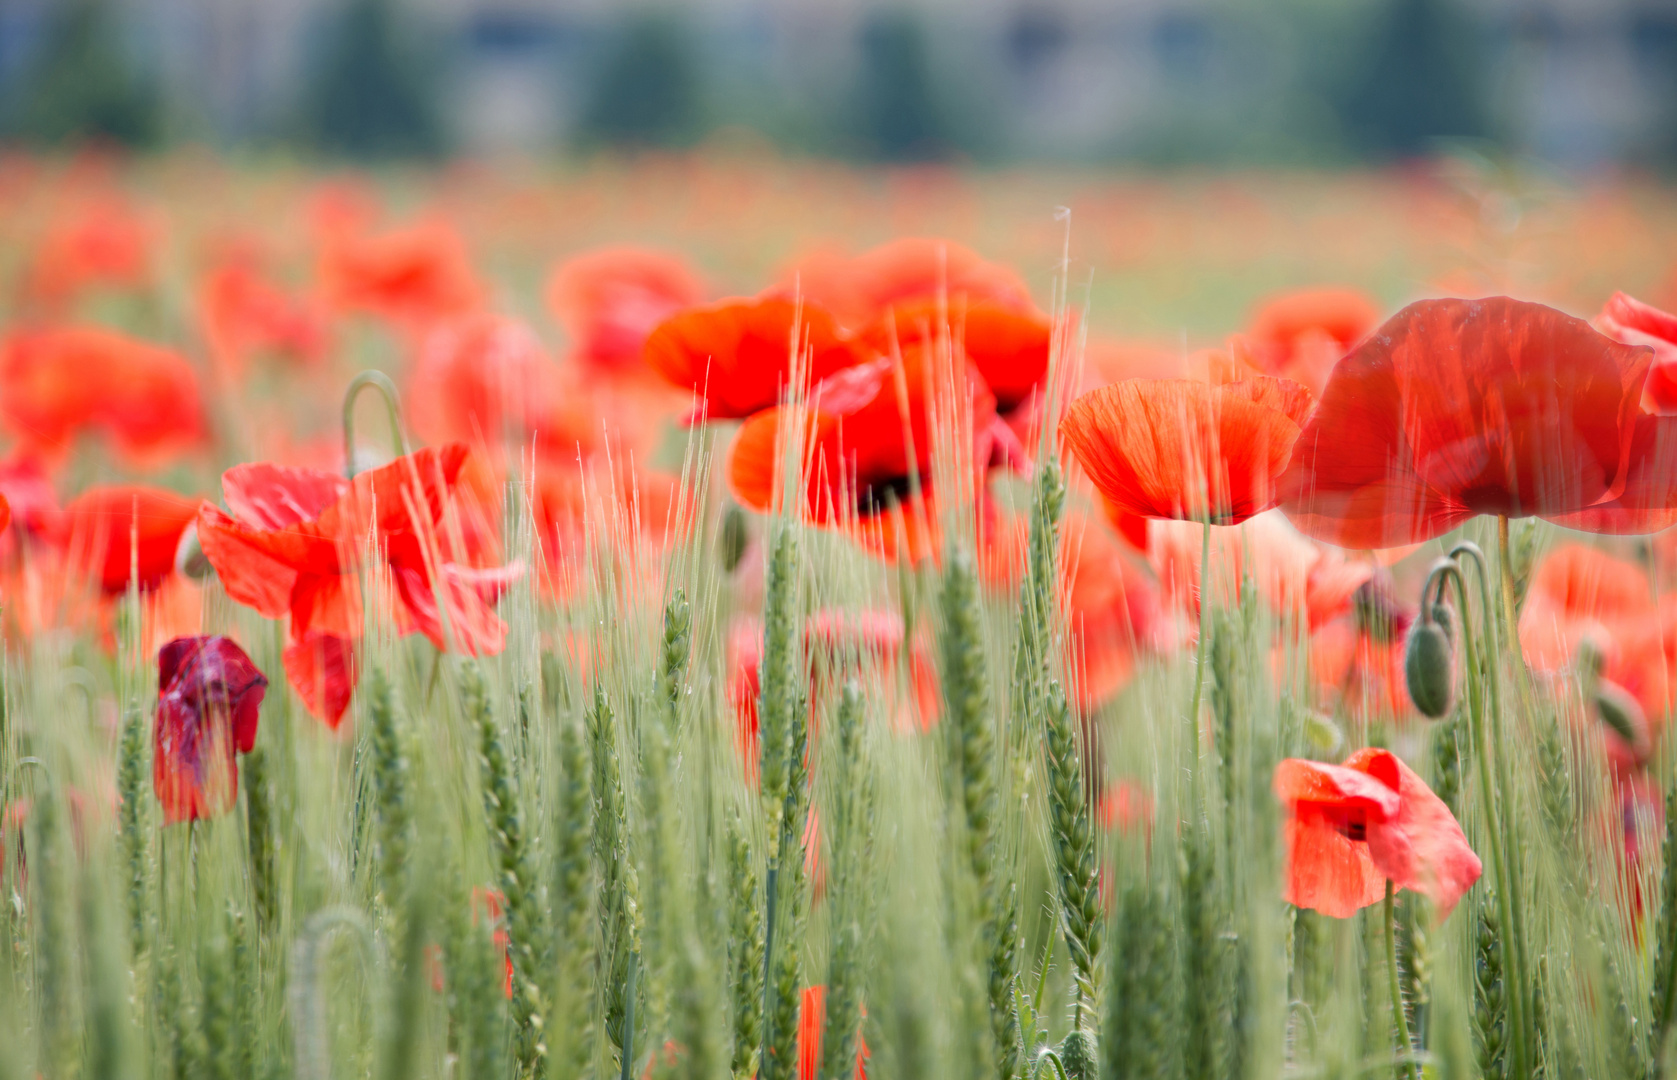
1203 653
1400 1017
392 403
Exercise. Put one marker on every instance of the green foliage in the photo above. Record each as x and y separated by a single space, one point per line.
375 95
647 93
82 85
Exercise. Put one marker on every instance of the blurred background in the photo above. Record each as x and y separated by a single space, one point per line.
1578 84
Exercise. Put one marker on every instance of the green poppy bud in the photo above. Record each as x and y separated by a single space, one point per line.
735 534
190 559
1429 663
1077 1056
1620 712
1323 734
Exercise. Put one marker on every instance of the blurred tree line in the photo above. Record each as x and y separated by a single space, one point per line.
1355 82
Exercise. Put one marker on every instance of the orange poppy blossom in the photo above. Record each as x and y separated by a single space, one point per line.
610 299
1456 408
1629 320
124 533
244 314
1301 335
1594 617
737 355
1351 828
59 382
408 276
291 543
1181 449
867 451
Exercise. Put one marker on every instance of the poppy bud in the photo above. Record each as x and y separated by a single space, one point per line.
1620 712
1077 1055
1377 611
1429 663
1590 659
1322 733
190 559
733 539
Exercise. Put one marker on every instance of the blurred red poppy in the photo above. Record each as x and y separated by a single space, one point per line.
1009 346
57 383
1112 612
736 355
295 538
1183 449
209 699
100 241
244 314
610 299
1353 827
859 288
868 451
1301 335
119 532
1629 320
479 379
812 1021
410 275
1462 407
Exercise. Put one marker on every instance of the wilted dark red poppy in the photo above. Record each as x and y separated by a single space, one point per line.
245 314
209 697
295 537
1456 408
1353 827
1183 449
736 355
868 450
57 383
1301 335
609 300
123 531
1629 320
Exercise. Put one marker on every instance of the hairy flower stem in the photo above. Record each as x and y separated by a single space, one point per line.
1400 1017
1485 742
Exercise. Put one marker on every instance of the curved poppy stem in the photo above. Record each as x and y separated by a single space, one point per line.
1400 1017
1486 739
392 403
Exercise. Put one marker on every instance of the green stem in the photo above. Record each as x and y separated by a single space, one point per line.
1203 653
379 381
1400 1017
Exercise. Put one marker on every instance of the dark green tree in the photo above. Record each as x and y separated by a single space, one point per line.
898 114
83 84
1418 83
374 95
648 91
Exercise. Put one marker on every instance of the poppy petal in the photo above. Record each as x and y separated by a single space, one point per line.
322 669
1423 849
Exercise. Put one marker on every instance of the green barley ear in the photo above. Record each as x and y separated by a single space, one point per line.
1204 982
745 948
1141 1026
1555 788
514 876
658 820
109 1038
217 1016
1447 741
55 976
618 897
1663 930
1490 1012
780 1025
850 839
1075 855
1037 596
406 1026
259 837
390 784
778 681
570 902
131 821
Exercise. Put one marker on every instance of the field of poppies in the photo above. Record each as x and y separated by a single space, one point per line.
725 616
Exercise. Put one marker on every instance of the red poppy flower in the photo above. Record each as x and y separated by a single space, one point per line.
209 699
1462 407
1353 827
294 539
489 904
867 451
57 383
1301 335
1112 612
857 289
410 275
1009 346
479 378
101 241
875 639
1357 645
1178 448
244 314
737 354
123 531
1629 320
609 300
28 491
